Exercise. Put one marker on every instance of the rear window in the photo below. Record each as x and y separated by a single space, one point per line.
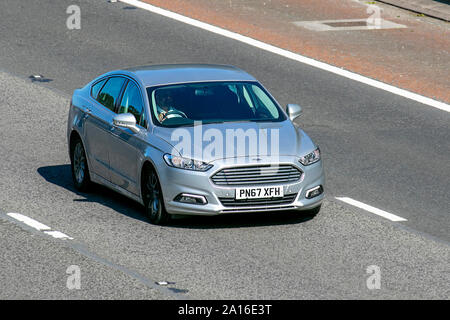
96 88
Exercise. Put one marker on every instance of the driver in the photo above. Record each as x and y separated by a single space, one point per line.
164 104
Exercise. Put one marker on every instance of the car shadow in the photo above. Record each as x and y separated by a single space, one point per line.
241 220
61 176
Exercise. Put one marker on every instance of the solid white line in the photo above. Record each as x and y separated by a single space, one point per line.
374 210
290 55
28 221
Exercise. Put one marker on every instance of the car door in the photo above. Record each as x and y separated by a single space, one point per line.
99 124
125 149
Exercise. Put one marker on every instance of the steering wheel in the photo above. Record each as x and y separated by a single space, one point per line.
175 114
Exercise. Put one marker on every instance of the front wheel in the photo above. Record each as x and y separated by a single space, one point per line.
153 199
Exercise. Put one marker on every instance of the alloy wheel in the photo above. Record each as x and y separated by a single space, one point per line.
79 163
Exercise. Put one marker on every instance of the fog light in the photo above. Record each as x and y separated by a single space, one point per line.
314 192
190 198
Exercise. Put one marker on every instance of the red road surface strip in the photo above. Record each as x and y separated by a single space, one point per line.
416 58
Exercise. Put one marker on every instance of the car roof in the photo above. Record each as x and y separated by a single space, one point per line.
154 75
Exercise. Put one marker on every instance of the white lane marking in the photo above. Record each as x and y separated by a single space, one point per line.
38 226
29 222
374 210
58 235
290 55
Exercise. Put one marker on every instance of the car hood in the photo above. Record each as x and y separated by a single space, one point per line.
216 141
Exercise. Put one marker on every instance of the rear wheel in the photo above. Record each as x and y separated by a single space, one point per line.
153 199
80 172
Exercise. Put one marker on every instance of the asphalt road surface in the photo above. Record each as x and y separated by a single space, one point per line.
378 148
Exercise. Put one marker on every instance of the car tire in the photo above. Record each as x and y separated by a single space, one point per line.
79 166
153 199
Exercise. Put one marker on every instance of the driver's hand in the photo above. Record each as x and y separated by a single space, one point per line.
162 116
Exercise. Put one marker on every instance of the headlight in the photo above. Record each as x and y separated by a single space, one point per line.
310 158
185 163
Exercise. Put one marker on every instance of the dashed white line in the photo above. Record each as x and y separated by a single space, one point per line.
29 222
371 209
58 235
290 55
38 226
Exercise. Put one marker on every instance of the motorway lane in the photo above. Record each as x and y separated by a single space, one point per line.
246 256
379 148
34 266
269 256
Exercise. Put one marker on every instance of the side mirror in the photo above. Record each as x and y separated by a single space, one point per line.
293 111
126 120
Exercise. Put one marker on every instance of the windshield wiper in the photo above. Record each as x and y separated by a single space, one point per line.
226 121
262 120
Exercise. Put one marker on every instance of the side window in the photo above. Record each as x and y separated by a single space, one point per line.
132 103
96 88
265 101
247 98
110 92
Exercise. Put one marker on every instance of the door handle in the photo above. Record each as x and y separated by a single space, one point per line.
87 110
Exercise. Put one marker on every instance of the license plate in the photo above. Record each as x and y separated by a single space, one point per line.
259 192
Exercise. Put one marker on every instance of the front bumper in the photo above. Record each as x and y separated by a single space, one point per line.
177 181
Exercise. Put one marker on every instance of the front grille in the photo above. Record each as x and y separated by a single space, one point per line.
231 202
257 175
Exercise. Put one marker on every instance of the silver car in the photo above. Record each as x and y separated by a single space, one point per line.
192 140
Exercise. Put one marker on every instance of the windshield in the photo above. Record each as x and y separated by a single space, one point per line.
212 102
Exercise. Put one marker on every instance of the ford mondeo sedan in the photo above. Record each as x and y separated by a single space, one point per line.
192 140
